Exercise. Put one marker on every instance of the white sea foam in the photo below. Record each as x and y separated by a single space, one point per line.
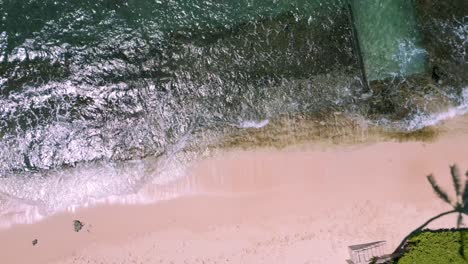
410 57
425 120
30 199
254 124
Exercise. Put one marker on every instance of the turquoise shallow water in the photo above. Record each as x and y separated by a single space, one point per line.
389 38
97 94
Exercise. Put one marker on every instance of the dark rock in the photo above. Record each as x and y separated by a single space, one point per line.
78 225
34 242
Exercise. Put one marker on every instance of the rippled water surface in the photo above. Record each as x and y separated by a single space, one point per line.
98 98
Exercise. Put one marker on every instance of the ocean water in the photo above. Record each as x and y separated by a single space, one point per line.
389 38
98 99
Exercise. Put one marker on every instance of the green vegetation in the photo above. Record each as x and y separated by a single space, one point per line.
459 204
436 247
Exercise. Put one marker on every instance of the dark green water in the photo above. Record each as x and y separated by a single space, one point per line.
112 82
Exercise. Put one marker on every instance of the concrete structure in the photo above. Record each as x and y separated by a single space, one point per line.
363 253
389 41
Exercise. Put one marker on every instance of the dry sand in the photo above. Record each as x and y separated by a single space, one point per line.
301 205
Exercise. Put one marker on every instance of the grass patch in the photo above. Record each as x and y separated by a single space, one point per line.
437 247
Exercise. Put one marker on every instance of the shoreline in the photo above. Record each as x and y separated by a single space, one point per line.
303 205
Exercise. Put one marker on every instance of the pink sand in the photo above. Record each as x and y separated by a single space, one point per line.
265 206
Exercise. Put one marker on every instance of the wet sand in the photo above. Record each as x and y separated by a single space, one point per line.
305 204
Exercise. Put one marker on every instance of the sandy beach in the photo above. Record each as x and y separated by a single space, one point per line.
304 204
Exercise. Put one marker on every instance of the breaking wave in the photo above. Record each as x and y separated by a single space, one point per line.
100 99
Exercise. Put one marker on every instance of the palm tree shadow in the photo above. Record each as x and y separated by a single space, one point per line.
459 205
461 250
